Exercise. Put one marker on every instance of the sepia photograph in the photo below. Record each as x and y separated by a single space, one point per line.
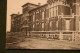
43 24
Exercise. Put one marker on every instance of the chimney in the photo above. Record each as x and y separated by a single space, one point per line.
39 4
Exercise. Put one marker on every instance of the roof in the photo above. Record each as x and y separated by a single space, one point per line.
19 15
28 4
13 14
39 7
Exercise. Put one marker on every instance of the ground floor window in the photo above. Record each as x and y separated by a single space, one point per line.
33 25
57 24
67 25
51 25
42 26
79 25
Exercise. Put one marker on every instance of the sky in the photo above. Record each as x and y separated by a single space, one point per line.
14 6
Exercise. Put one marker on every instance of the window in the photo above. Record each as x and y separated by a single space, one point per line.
42 15
54 11
33 17
57 24
67 25
79 25
71 11
50 24
79 10
51 12
43 25
47 13
33 26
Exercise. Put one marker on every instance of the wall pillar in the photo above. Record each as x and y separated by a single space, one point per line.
73 36
61 35
77 37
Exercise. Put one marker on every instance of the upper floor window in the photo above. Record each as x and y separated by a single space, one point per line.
33 17
79 10
42 15
47 13
37 15
42 25
33 26
55 11
51 12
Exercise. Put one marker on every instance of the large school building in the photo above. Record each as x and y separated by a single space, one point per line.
57 19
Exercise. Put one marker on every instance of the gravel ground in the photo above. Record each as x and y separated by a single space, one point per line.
32 43
43 43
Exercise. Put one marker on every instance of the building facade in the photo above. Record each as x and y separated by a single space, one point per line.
16 22
57 19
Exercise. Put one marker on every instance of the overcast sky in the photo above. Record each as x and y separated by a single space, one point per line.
14 6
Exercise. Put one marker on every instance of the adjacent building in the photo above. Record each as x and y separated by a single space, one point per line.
57 19
16 22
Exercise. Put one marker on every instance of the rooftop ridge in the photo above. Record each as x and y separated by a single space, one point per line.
29 3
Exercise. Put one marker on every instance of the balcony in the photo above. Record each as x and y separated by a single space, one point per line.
68 16
25 26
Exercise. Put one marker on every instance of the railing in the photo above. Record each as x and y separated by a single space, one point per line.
68 16
62 35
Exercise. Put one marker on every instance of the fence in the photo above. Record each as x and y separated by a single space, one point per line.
59 35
